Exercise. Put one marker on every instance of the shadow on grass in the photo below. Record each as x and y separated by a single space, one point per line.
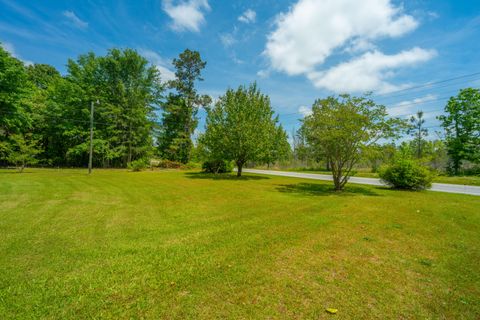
13 172
313 189
223 176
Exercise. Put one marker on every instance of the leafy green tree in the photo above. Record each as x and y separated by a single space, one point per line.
435 154
129 90
14 92
462 127
302 152
43 78
23 151
132 90
180 109
42 75
376 155
240 127
341 127
277 146
174 142
418 132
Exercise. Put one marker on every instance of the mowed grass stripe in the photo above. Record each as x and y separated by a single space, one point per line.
182 245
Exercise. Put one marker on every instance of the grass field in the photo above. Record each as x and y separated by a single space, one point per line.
184 245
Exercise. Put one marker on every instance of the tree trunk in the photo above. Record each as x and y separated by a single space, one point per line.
336 180
456 165
129 157
239 168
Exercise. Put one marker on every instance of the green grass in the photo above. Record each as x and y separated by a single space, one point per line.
465 180
184 245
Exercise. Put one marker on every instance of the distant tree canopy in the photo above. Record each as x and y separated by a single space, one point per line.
418 131
241 127
45 120
462 127
14 96
56 109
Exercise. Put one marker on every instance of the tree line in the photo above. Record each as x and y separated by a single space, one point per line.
45 116
44 119
455 151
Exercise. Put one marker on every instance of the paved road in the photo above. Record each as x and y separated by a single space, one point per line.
441 187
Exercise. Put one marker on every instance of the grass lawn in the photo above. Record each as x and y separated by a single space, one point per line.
466 180
181 245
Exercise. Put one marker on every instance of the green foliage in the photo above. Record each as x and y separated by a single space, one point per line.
418 132
138 165
217 166
42 75
339 128
168 164
15 91
23 150
240 127
276 147
376 154
406 174
179 119
128 90
178 123
462 127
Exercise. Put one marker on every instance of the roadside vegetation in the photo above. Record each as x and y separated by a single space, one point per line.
472 180
120 107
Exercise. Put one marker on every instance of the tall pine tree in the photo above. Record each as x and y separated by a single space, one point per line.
181 107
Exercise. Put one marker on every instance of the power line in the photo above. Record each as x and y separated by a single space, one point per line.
433 88
398 106
75 120
428 84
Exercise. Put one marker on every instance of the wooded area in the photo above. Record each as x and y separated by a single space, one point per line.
45 121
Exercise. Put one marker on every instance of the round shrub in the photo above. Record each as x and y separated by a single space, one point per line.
217 166
138 165
406 174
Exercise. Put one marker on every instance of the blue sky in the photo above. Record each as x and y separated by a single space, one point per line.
297 51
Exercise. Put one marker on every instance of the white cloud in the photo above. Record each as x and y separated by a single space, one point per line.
160 63
408 108
368 72
249 16
11 49
433 15
77 22
186 15
264 73
359 45
227 40
305 111
314 30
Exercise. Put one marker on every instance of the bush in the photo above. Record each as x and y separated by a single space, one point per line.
406 174
217 166
168 164
192 165
138 165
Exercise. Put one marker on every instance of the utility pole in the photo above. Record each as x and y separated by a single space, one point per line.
90 156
